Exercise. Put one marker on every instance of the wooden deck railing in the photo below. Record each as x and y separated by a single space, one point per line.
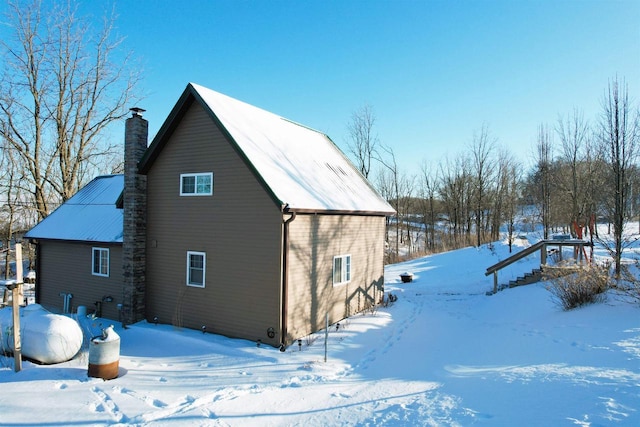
539 246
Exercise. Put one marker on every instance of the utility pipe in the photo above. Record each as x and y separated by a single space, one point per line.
66 305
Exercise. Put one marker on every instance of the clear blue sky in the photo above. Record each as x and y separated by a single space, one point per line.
434 71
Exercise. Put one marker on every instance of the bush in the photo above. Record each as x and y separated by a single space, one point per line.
633 290
629 282
585 286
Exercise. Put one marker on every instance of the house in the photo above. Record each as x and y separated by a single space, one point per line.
234 220
79 250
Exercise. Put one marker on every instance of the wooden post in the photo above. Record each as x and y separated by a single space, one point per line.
19 273
17 346
17 291
495 282
543 255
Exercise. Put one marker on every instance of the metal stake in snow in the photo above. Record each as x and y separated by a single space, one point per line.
326 337
15 306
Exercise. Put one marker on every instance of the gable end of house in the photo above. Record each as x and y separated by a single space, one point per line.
188 97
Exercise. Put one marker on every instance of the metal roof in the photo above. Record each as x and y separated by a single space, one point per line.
301 168
90 215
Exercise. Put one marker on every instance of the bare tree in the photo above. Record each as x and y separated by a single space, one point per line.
573 132
428 189
507 196
544 159
620 139
455 191
596 180
364 142
393 181
11 178
405 204
61 87
483 174
635 194
386 186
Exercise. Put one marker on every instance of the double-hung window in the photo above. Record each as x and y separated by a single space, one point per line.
196 184
100 262
341 269
196 268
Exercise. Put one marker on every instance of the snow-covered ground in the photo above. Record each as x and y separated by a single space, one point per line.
443 354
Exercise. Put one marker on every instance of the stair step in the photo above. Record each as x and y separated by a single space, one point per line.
527 279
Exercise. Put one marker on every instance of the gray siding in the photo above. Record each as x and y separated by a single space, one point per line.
239 227
314 241
66 267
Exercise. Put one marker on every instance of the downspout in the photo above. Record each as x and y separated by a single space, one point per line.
285 277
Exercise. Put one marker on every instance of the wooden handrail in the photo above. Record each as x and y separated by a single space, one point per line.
515 257
541 246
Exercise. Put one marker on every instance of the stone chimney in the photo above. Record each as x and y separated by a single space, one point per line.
134 219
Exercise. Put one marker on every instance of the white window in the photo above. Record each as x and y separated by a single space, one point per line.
341 269
196 184
100 262
196 267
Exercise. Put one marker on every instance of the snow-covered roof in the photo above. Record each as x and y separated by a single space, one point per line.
301 167
90 215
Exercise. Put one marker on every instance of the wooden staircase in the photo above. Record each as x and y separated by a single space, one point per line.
536 274
527 279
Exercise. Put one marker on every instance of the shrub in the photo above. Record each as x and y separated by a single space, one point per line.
310 339
370 307
629 282
633 290
585 286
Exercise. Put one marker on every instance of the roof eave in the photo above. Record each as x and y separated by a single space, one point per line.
49 239
167 128
341 212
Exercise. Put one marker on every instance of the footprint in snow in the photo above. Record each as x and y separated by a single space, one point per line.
293 382
188 399
341 395
208 414
155 403
104 403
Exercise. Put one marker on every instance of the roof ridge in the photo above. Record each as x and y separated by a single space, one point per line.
303 126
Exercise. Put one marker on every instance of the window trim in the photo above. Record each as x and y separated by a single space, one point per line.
345 269
189 267
196 175
102 252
